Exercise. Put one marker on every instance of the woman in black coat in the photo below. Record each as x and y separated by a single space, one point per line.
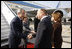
57 31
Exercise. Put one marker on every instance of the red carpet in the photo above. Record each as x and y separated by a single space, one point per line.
29 45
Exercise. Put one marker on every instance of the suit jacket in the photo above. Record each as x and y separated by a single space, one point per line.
44 33
36 21
16 32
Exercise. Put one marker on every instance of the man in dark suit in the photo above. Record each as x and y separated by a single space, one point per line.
36 21
44 30
16 30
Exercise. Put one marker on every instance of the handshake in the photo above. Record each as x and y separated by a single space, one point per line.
30 35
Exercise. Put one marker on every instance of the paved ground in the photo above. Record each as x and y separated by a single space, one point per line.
66 33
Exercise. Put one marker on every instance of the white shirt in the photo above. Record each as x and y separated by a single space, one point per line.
43 17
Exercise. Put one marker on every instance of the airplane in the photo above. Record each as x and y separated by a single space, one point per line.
31 7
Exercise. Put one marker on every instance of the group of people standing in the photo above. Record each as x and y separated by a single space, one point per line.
47 29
